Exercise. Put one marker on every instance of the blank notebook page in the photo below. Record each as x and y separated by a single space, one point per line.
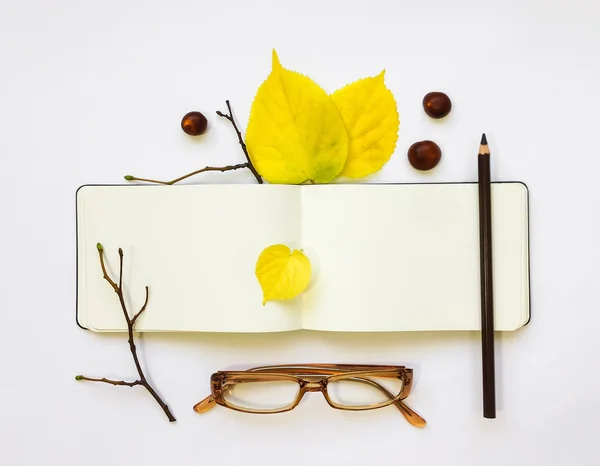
195 246
406 257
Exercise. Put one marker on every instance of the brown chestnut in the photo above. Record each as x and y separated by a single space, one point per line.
437 104
424 155
194 123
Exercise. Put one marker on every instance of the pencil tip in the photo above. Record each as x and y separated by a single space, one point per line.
483 140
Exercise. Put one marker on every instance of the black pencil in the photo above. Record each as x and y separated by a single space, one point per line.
487 293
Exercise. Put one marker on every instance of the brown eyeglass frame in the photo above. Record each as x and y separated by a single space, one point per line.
330 372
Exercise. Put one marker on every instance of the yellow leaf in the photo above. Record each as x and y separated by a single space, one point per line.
295 132
282 273
369 112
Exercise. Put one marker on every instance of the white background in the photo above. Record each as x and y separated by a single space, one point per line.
91 91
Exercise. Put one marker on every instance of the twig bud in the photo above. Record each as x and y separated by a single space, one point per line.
99 246
128 177
78 377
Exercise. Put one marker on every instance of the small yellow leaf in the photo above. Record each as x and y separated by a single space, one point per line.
282 273
369 112
295 132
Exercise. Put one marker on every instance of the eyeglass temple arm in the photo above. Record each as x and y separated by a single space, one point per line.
411 416
209 402
205 405
330 368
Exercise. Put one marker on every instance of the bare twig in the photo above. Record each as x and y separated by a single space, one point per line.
229 116
104 273
112 382
130 324
177 180
248 164
142 309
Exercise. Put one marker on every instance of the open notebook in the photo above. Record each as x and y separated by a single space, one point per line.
385 257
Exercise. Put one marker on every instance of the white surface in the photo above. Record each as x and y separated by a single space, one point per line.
377 251
90 92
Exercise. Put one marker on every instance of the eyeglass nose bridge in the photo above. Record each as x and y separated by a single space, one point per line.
313 386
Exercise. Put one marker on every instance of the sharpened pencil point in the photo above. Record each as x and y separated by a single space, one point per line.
483 140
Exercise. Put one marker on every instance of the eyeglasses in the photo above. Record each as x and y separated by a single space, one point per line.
276 389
